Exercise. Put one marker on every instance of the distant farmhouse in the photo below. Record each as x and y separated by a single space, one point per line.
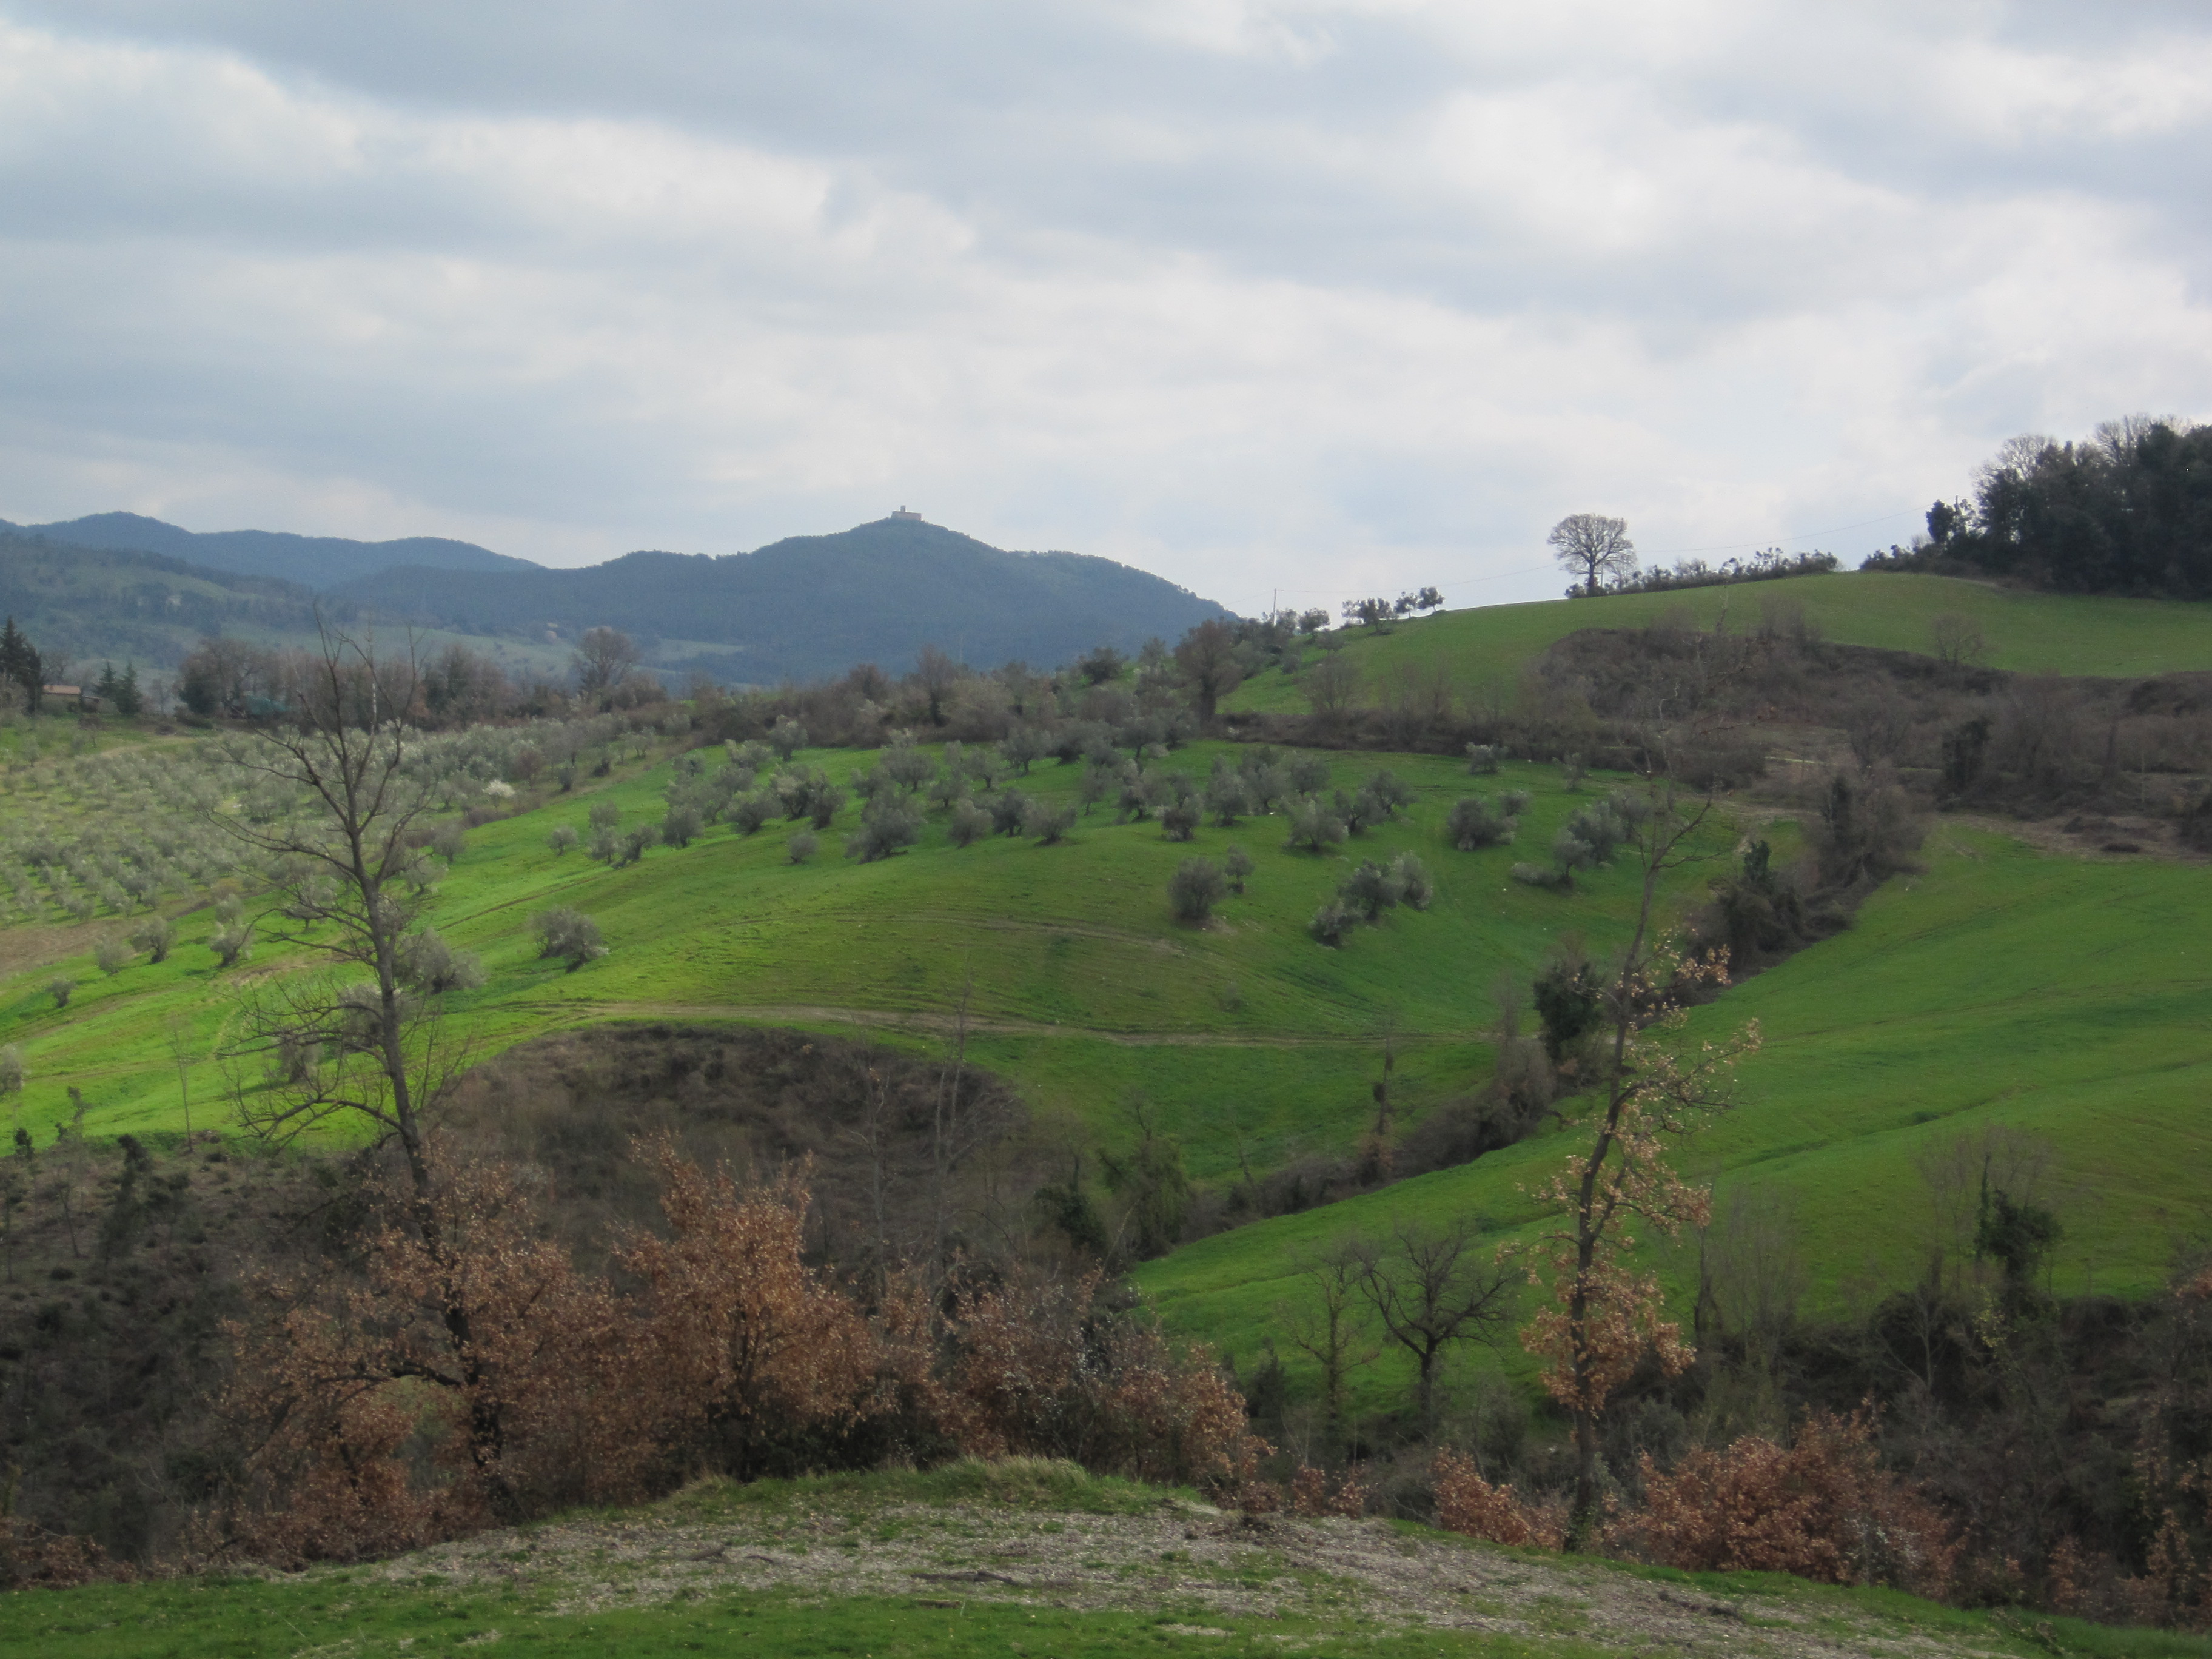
87 702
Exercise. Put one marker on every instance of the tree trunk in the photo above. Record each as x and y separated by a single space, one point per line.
1582 1525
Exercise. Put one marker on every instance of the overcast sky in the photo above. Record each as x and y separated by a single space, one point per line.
1320 298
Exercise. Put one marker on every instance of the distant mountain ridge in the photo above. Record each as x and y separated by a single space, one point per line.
801 608
312 560
810 605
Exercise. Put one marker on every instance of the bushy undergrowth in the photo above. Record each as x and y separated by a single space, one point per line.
470 1372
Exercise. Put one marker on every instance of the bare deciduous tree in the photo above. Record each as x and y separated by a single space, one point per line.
603 660
1589 545
1207 661
1331 686
1431 1288
1958 639
349 894
1328 1323
1605 1316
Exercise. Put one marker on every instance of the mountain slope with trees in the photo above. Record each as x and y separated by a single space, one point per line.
813 605
804 608
310 561
87 606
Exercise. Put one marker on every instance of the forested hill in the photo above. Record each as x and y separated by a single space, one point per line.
311 561
85 603
814 606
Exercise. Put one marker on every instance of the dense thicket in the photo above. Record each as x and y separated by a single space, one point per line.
133 1274
2128 510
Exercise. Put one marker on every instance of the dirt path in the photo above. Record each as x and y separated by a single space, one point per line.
1180 1558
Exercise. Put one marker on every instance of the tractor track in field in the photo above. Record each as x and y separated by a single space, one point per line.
950 1025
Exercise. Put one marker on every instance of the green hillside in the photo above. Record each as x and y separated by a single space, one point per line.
2059 997
1085 986
2030 632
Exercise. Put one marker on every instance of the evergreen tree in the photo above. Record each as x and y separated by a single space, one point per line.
20 663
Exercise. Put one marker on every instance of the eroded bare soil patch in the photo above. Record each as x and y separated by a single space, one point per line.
1179 1557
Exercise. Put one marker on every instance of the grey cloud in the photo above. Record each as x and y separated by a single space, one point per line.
1388 298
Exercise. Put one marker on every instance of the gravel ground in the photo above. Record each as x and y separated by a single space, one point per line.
1181 1556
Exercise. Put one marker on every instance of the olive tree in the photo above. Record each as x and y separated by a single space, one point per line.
890 823
567 934
1047 821
968 824
1237 865
430 965
1195 887
787 736
1472 823
155 936
1314 825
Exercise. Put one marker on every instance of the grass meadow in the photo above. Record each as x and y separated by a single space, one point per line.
1485 649
2000 988
2057 997
1086 990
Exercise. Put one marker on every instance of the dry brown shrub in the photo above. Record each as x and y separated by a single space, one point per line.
469 1372
2065 1576
1313 1494
1823 1507
1038 1370
740 1340
1466 1502
31 1557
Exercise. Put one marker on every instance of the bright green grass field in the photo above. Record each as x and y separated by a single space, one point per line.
2035 633
216 1619
2069 999
219 1618
1086 989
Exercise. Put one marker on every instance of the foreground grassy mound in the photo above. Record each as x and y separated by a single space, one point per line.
1085 989
2029 632
2056 997
1024 1558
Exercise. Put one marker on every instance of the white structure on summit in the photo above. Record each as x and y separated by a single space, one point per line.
903 514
